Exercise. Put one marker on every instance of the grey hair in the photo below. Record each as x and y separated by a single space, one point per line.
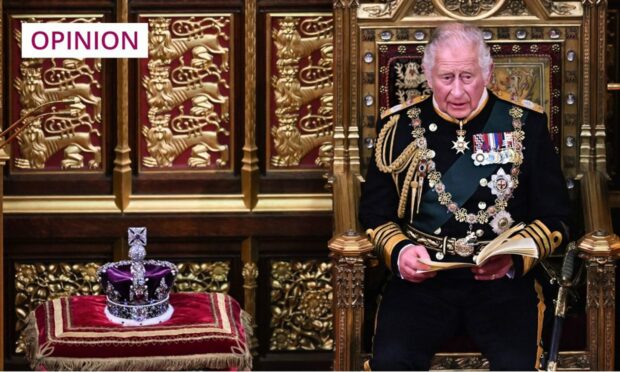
455 31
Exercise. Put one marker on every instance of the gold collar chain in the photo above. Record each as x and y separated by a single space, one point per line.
434 176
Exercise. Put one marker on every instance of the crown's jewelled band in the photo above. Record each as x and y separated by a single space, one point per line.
138 312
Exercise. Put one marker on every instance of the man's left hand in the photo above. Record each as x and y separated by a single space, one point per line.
495 268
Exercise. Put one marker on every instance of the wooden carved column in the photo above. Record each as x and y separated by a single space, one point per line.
249 256
592 152
4 157
348 247
250 170
348 252
600 251
345 177
122 160
3 160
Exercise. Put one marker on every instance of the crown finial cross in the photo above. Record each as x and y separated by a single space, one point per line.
136 236
137 243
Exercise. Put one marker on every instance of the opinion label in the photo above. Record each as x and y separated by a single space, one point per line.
85 40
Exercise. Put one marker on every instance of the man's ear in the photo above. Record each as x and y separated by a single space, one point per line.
490 75
427 77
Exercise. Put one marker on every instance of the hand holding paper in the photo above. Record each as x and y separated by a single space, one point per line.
502 244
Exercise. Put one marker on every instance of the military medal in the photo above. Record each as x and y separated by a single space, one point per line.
501 222
479 158
501 184
460 145
494 148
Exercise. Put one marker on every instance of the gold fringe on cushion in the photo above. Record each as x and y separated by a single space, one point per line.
248 326
31 338
162 363
39 356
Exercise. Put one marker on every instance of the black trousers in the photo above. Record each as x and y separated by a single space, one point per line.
414 320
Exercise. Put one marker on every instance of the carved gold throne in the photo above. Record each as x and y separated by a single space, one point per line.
549 52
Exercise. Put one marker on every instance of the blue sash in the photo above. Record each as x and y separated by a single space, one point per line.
462 179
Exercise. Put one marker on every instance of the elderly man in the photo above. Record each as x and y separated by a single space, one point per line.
451 171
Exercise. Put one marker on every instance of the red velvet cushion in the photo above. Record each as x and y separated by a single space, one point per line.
207 330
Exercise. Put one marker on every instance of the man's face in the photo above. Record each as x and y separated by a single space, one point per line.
457 80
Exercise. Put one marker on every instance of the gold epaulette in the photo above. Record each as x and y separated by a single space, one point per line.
411 102
520 102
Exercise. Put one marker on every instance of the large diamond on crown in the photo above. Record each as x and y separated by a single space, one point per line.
137 290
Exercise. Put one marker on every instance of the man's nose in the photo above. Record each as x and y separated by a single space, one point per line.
457 88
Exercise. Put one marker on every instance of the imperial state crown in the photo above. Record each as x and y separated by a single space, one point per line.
137 290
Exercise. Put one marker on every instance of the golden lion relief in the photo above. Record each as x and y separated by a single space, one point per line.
37 148
164 146
162 96
33 93
170 84
163 46
295 87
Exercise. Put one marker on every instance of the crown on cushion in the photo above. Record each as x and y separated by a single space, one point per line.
137 291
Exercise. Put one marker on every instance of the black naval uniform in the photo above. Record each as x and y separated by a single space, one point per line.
502 316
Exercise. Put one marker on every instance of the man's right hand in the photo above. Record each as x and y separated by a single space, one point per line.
409 266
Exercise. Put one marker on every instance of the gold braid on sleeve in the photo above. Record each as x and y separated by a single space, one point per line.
385 238
409 157
546 241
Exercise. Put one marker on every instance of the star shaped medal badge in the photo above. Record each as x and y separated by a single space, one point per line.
460 145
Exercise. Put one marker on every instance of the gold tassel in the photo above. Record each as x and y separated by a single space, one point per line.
419 196
414 195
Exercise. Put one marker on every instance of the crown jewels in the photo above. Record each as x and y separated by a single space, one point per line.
137 291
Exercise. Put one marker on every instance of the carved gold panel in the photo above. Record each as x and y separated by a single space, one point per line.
63 99
537 64
567 360
38 282
299 91
301 300
185 92
467 10
203 277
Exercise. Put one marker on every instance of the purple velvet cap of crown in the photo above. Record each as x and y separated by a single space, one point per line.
118 274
